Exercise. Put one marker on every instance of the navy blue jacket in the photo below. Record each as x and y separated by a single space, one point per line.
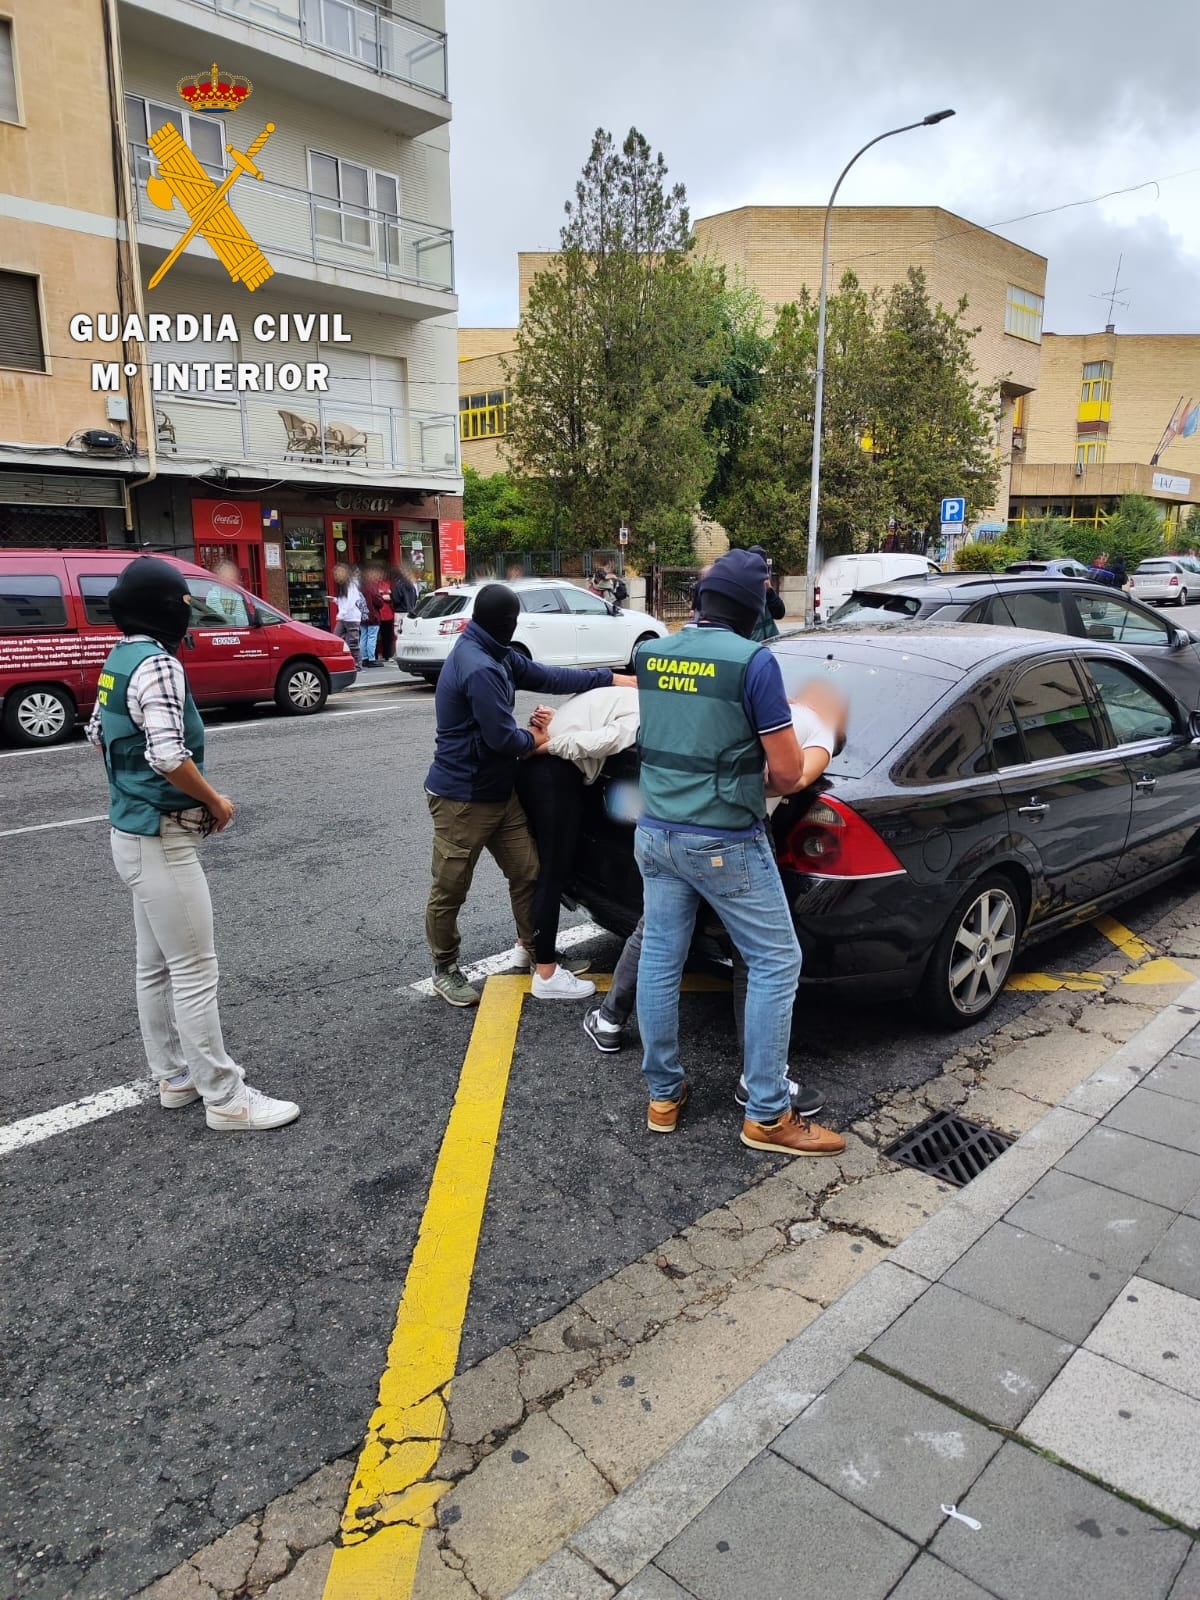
478 740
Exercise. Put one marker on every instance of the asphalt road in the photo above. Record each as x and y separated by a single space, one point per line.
196 1323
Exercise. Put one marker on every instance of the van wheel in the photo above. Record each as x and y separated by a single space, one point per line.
39 716
301 689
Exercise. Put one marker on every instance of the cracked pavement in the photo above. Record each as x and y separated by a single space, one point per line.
197 1325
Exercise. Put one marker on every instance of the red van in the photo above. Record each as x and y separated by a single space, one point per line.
56 630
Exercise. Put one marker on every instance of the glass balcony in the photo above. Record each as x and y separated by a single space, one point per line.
374 36
285 431
308 227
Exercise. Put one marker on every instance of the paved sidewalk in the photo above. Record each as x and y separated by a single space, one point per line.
1031 1356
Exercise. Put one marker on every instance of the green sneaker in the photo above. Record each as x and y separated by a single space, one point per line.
454 988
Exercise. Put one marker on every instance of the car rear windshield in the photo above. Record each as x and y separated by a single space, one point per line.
889 692
1158 566
865 604
442 605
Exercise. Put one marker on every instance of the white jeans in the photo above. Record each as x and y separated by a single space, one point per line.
176 959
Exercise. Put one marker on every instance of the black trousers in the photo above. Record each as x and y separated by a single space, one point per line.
385 648
551 794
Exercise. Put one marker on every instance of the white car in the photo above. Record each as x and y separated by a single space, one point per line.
560 625
1165 581
842 575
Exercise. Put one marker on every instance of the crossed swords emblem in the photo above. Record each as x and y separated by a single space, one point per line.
181 177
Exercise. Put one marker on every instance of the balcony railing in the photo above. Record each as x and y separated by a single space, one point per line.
282 430
354 30
309 227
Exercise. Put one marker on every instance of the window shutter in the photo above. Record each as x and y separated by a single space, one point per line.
8 74
20 323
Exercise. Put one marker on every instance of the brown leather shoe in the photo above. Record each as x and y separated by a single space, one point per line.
663 1115
792 1135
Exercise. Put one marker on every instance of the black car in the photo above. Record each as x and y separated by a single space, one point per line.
1080 609
996 786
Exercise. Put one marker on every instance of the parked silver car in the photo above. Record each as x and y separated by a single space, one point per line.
1165 580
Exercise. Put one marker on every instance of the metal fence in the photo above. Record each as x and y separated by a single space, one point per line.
671 592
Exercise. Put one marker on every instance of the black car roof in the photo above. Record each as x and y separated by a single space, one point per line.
955 647
940 584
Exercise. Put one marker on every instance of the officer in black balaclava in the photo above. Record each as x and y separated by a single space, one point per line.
151 597
470 787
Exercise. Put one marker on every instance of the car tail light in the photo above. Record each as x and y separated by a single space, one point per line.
1174 583
817 598
453 624
831 840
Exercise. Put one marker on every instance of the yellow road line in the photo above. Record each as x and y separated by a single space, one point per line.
1126 941
1052 982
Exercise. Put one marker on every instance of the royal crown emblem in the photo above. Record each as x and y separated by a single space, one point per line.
215 90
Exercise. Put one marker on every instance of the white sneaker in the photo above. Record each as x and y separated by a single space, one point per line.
250 1111
563 985
520 960
177 1091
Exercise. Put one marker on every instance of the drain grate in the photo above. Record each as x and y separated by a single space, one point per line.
949 1147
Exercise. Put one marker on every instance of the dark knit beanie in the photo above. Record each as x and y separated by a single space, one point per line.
740 576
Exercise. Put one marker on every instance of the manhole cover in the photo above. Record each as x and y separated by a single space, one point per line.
949 1147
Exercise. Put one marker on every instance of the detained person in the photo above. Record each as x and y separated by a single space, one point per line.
161 806
713 713
470 789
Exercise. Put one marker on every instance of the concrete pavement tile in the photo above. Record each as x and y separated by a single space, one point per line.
1098 1094
1139 1167
1176 1074
1099 1222
1154 1330
928 1579
1048 1534
1130 1432
1187 1584
741 1547
653 1584
1175 1260
1037 1281
973 1354
1162 1117
888 1448
938 1243
564 1577
1189 1045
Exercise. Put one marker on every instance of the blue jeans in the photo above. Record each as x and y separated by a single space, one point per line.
370 636
739 879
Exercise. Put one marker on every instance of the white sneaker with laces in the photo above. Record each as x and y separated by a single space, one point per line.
563 985
251 1111
177 1091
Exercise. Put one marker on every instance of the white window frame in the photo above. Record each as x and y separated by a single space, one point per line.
1020 304
183 119
11 21
374 218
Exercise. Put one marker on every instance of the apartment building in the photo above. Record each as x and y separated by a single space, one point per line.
1098 427
285 170
777 251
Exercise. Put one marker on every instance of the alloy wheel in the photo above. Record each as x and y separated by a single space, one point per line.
983 951
304 688
41 716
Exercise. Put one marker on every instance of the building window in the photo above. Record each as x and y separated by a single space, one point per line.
21 342
1096 388
355 192
10 108
204 135
484 416
1023 314
1089 452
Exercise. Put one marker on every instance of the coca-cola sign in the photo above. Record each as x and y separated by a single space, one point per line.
226 521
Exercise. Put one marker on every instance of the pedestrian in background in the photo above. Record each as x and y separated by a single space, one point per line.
371 617
351 608
404 593
160 806
713 715
470 786
385 646
774 610
1101 572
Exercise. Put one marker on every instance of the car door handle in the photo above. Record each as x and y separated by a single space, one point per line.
1034 808
1145 785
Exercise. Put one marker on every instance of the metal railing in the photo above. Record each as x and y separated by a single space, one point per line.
307 226
483 422
280 430
353 30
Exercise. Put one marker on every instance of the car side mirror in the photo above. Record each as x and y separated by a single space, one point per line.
1180 638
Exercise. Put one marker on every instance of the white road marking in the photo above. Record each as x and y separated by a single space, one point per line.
44 1124
40 827
567 939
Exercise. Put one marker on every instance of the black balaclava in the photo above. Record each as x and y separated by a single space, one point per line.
496 611
150 597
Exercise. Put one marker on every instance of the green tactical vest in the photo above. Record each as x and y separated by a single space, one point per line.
766 627
138 797
702 763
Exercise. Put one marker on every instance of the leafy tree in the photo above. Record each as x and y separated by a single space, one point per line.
1133 531
984 555
610 413
498 517
1040 540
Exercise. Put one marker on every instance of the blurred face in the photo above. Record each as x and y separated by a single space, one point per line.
341 573
828 702
227 572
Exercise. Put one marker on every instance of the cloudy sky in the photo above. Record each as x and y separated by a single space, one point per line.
762 101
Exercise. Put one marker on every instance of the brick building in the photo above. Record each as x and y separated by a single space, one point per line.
1092 430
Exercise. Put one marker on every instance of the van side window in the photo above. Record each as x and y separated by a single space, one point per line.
31 603
94 588
215 606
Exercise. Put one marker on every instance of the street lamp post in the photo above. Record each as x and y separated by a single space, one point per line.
814 499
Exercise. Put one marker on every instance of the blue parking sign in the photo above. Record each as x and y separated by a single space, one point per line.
954 509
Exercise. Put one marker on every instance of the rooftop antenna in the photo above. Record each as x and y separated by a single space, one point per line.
1113 297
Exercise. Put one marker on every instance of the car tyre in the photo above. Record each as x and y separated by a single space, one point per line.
39 716
1182 601
301 689
637 645
974 953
